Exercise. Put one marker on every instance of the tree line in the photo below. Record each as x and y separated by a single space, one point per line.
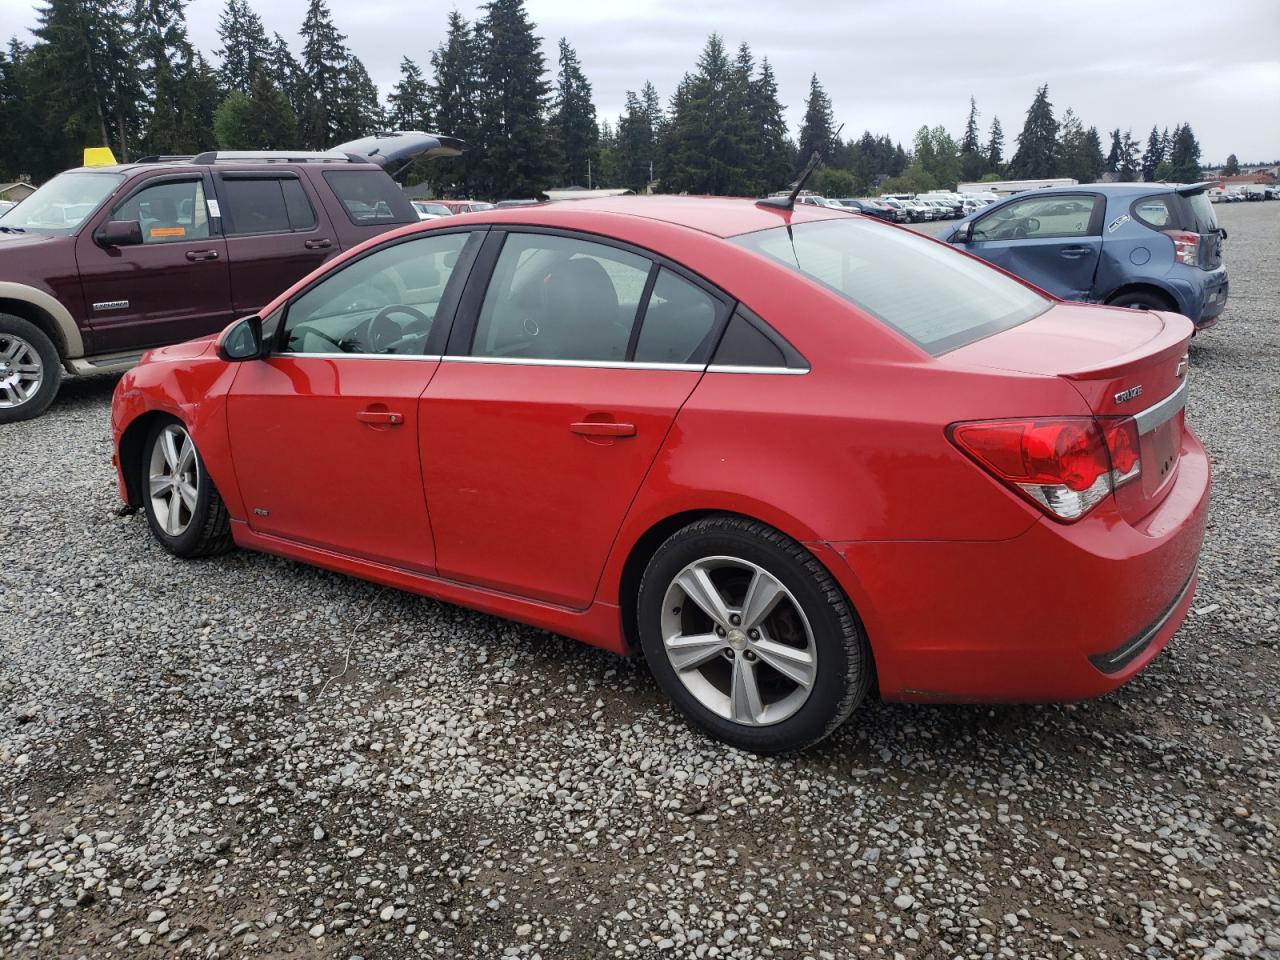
123 73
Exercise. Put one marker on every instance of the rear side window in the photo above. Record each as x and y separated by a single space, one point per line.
265 205
934 296
678 322
749 342
1154 212
370 197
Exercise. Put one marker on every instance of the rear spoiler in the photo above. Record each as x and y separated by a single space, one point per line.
1190 189
1171 341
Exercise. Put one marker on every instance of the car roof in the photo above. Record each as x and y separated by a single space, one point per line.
718 216
1136 188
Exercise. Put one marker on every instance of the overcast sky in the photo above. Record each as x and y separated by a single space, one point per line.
889 65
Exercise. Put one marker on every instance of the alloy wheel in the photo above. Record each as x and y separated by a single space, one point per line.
739 641
21 371
174 479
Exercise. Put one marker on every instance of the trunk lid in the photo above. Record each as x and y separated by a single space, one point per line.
395 150
1198 216
1123 363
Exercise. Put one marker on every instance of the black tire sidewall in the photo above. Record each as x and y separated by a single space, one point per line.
1140 301
187 543
818 716
38 404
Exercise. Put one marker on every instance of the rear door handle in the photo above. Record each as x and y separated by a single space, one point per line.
386 417
318 244
595 428
194 255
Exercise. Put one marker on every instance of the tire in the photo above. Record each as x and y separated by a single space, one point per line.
30 370
201 527
810 630
1141 300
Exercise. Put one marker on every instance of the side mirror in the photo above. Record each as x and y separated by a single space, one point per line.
963 233
242 340
119 233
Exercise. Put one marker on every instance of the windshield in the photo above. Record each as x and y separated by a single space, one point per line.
62 204
936 297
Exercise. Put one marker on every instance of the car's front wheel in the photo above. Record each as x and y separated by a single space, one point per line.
750 636
184 510
29 371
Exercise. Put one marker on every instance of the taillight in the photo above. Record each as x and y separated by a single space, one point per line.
1186 246
1064 465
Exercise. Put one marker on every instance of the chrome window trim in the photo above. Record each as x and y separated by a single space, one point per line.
1159 413
357 356
734 368
603 364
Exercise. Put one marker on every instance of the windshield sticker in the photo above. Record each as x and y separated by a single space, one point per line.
1117 223
165 232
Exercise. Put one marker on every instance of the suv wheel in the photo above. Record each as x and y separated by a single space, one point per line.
29 370
750 636
184 510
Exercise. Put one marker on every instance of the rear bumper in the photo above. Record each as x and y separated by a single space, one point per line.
1062 612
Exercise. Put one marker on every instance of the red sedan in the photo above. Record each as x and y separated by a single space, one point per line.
790 455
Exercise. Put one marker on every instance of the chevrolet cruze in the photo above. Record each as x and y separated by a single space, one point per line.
794 457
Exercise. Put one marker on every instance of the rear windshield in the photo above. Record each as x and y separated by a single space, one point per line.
1200 213
62 204
936 297
370 197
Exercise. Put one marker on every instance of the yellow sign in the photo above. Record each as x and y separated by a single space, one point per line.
158 232
99 157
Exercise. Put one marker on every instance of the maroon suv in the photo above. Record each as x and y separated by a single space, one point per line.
103 263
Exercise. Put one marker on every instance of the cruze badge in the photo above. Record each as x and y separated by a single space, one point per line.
1129 394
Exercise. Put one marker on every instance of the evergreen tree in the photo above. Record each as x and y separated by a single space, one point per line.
18 151
179 87
1232 167
573 122
285 72
769 126
636 143
816 133
322 81
83 82
1128 157
972 162
1114 156
358 111
1074 150
1034 158
610 174
455 100
1091 162
1184 157
513 103
409 105
995 145
263 119
245 50
1154 156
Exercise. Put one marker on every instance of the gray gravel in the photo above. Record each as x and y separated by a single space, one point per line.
247 757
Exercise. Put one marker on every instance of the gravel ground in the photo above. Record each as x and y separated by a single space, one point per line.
246 757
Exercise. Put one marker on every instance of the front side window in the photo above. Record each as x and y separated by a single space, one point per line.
384 303
934 296
1039 218
169 212
370 197
559 298
62 204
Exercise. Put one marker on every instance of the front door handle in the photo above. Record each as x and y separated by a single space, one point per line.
1074 253
194 255
318 244
596 428
381 417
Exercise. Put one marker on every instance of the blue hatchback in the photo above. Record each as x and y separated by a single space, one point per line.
1150 246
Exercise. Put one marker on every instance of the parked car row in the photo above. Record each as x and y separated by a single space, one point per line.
433 209
1251 193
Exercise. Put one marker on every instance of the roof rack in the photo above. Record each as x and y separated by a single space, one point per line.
161 158
276 156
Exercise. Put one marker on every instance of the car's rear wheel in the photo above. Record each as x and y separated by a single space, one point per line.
1141 300
29 371
750 636
184 510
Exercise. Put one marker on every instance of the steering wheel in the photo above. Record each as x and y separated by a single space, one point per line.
383 332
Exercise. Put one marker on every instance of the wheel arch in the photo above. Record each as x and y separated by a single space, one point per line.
133 441
47 313
1148 287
